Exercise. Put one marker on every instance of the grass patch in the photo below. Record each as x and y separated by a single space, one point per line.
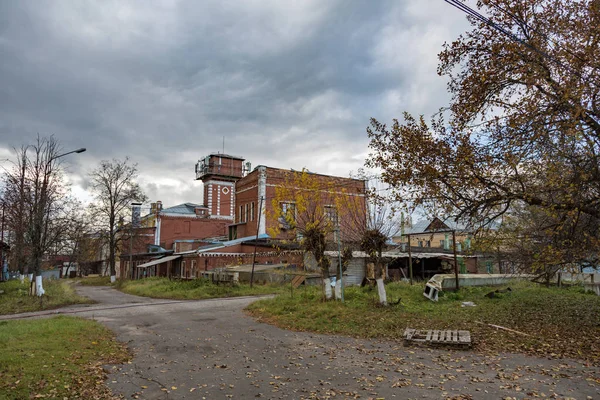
561 322
16 299
61 357
163 288
94 281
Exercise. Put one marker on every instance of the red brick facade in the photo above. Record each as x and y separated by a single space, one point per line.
189 227
262 182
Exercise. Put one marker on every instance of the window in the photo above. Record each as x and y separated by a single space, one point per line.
288 214
420 243
246 218
429 243
183 271
331 214
242 214
442 243
252 211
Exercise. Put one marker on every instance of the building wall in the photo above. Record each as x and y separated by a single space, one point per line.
433 240
263 181
219 196
186 228
191 266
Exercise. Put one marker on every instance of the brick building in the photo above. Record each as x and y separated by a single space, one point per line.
222 231
262 183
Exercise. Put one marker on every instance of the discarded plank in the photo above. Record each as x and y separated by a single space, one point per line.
297 281
503 328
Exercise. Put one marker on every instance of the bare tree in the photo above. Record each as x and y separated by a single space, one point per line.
114 186
37 197
78 225
14 201
371 229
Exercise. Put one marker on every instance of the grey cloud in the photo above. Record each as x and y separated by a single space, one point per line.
288 86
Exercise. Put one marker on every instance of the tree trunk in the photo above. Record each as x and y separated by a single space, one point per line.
327 288
338 289
111 258
39 287
379 275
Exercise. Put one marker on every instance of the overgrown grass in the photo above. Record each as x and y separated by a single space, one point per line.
94 281
16 299
163 288
60 358
560 322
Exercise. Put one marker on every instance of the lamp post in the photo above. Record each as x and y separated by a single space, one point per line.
40 212
81 150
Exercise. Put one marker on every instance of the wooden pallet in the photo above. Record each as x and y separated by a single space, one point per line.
436 337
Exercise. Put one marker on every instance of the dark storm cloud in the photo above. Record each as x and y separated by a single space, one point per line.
287 84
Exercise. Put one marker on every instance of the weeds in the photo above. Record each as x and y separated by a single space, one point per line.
16 298
163 288
562 322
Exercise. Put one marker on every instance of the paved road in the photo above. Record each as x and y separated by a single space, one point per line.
211 350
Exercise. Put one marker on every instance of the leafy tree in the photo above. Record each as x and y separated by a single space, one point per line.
114 187
306 209
532 241
522 127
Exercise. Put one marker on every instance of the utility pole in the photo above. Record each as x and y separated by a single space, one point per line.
410 269
339 240
455 258
3 277
257 230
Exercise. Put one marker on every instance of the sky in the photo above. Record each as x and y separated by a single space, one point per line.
287 84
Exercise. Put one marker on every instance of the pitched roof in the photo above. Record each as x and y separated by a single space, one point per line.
182 209
436 224
228 243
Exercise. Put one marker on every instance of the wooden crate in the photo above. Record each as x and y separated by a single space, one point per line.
438 337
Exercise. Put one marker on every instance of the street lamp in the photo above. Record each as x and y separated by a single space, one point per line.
41 209
81 150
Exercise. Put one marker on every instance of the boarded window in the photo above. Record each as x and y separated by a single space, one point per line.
331 214
288 214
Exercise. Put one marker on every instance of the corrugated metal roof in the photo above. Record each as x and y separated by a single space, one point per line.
398 254
159 261
182 209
